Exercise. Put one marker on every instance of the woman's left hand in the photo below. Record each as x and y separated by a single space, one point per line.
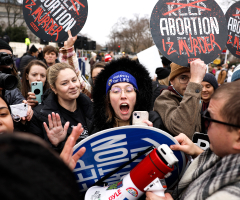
70 41
29 114
148 123
69 159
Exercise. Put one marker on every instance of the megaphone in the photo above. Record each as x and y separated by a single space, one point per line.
148 175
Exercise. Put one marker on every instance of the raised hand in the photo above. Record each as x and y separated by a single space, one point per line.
66 155
56 133
198 70
70 41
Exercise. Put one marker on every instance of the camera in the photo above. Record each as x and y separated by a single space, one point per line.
8 81
5 59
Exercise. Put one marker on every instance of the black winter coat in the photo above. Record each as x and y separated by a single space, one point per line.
13 96
50 105
24 61
144 93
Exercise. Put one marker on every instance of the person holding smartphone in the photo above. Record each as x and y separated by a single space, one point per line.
35 71
124 86
62 108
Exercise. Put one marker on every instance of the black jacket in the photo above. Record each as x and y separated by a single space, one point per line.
13 96
157 87
50 105
24 61
144 93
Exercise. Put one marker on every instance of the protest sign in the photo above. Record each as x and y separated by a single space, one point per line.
233 25
186 30
109 149
150 58
51 19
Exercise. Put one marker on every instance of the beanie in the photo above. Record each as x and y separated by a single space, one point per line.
93 54
210 78
120 76
107 58
176 70
4 45
162 73
236 74
33 49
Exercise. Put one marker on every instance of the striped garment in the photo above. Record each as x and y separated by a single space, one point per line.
69 56
211 177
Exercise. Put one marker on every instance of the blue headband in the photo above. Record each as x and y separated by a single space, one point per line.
120 76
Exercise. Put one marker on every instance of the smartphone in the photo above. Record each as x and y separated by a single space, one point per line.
19 109
138 117
37 89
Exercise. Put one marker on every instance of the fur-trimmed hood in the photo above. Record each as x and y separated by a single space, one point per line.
144 96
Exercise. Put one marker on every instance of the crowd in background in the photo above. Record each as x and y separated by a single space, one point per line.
181 100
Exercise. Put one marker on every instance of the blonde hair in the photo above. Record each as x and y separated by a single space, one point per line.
164 81
53 71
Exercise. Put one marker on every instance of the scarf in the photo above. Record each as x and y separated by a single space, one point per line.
211 177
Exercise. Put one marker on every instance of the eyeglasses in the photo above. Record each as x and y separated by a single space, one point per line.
183 79
118 90
206 115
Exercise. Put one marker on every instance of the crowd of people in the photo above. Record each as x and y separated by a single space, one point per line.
186 102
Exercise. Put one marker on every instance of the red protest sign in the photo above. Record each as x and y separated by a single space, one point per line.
233 25
51 19
186 30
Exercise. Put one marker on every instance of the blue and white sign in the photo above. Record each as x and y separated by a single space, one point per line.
111 148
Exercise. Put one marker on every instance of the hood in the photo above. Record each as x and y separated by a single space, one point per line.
144 82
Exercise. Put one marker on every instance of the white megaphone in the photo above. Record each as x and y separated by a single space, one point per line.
148 175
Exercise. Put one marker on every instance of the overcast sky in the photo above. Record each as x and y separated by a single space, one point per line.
103 14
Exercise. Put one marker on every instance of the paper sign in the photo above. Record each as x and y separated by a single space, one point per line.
150 58
186 30
51 19
233 25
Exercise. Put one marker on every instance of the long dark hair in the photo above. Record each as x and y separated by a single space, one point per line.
25 83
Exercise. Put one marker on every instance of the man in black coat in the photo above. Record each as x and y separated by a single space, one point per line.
30 55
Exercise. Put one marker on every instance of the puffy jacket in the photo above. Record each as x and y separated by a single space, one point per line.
144 93
13 96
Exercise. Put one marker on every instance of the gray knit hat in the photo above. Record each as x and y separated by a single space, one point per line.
236 74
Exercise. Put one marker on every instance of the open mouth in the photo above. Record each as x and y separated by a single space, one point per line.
124 108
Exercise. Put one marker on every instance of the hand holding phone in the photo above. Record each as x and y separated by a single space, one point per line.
138 117
19 110
31 100
37 89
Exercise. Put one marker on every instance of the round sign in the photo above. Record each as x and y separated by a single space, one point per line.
233 25
186 30
51 19
111 148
